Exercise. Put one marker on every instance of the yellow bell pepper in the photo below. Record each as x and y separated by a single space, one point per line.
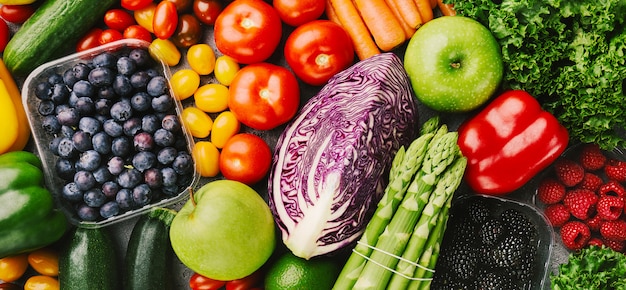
14 130
17 2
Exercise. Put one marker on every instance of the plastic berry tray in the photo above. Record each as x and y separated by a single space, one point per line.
42 139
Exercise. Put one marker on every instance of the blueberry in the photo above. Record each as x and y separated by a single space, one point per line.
152 72
157 86
167 155
87 213
113 128
139 80
164 138
126 66
121 146
51 124
90 125
150 123
121 110
104 59
68 117
153 177
71 192
67 131
143 141
102 106
61 107
65 168
102 174
55 78
142 194
101 142
83 88
66 148
72 99
129 178
109 209
69 78
60 93
171 123
88 160
84 180
144 160
82 141
94 197
84 106
46 108
169 176
115 165
43 90
141 102
171 190
80 71
101 76
110 189
140 56
107 92
124 198
183 163
132 126
122 86
162 103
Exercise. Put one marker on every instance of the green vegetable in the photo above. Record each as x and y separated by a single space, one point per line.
89 261
28 219
568 54
51 32
591 268
149 252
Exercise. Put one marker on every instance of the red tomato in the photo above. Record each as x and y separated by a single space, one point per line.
207 10
17 13
5 34
165 19
263 96
317 50
137 31
135 4
199 282
245 158
298 12
248 31
110 35
246 283
91 39
118 19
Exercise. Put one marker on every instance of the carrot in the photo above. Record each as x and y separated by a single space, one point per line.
408 30
351 21
406 11
446 9
331 14
383 25
423 6
433 4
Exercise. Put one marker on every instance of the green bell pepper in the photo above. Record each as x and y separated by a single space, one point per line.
28 217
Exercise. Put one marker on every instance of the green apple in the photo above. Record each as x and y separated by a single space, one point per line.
454 64
225 232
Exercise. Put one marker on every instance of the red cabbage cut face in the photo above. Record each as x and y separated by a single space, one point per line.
331 162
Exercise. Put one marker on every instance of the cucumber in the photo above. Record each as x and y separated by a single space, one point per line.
52 31
89 261
149 254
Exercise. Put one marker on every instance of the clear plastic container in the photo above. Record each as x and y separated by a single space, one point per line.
42 138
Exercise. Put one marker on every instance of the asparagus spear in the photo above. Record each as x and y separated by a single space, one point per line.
394 192
393 240
446 187
396 163
430 126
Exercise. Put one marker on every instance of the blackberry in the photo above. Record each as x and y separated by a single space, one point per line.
491 231
443 280
478 212
462 232
523 271
518 223
492 281
462 261
510 251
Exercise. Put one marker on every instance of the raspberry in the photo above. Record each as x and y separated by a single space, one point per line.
580 202
550 191
575 235
569 172
591 181
557 214
613 230
615 170
613 188
594 241
610 207
617 246
591 157
594 223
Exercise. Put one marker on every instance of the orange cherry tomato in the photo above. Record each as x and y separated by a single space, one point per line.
197 122
225 126
145 16
207 158
13 267
118 19
42 282
165 19
138 32
45 261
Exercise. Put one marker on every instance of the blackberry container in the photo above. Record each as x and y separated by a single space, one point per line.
42 138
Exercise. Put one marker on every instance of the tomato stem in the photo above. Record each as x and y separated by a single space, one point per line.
247 23
322 59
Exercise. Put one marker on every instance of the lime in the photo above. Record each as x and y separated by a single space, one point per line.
292 272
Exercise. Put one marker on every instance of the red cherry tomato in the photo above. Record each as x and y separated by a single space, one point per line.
135 4
91 39
137 31
248 31
317 50
207 10
118 19
17 13
182 5
263 96
298 12
246 283
199 282
110 35
165 19
245 158
5 34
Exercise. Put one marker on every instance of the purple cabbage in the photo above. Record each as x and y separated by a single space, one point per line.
331 162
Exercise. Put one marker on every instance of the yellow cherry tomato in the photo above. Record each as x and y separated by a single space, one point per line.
207 158
225 126
226 68
145 16
13 267
165 50
45 261
197 122
212 98
201 58
184 83
42 282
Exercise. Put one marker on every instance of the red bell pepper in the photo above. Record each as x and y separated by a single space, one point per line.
509 142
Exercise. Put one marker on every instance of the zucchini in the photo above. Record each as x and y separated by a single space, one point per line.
149 254
52 31
89 261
